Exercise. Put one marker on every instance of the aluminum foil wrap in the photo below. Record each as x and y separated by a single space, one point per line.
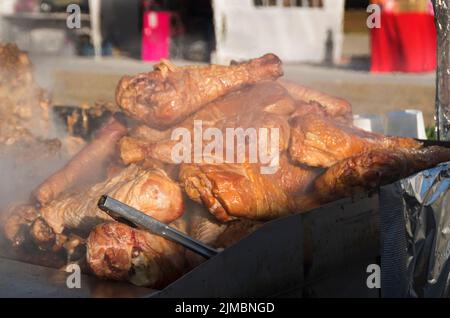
426 207
442 117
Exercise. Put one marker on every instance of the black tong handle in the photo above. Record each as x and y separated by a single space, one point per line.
127 214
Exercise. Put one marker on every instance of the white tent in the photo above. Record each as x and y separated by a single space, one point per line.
248 28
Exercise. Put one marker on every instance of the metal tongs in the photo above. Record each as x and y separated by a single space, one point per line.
124 213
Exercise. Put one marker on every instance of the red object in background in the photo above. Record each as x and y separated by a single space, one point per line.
406 42
155 35
26 6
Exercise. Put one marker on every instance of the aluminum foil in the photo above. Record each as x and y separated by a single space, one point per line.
442 117
426 207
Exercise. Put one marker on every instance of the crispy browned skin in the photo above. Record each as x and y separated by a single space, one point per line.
87 166
148 134
23 226
135 150
203 225
16 224
44 237
306 108
150 191
232 191
319 141
267 96
257 120
169 94
334 106
367 171
262 105
117 251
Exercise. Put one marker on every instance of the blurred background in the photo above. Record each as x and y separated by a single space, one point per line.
332 45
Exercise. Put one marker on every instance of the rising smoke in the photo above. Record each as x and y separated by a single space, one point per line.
32 146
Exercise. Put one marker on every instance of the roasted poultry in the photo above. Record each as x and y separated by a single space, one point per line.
169 94
320 157
150 191
368 171
136 150
320 141
335 107
18 221
87 166
265 96
119 252
261 99
233 191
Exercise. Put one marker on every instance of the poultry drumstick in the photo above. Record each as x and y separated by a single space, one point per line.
230 191
150 191
169 94
117 251
319 141
87 166
370 170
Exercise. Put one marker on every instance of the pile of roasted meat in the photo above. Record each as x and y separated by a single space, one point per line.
321 157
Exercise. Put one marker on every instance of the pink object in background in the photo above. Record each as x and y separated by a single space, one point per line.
155 35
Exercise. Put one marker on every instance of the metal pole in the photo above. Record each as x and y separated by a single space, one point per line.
96 34
442 115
